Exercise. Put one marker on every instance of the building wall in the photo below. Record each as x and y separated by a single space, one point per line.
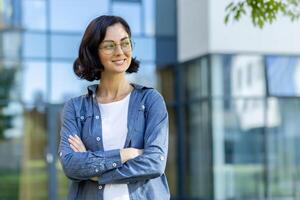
281 37
201 30
192 28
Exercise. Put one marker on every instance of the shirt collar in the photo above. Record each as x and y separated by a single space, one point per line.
93 88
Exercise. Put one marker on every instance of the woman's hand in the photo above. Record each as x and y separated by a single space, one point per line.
130 153
76 144
126 154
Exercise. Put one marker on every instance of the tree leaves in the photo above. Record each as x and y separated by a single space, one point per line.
262 11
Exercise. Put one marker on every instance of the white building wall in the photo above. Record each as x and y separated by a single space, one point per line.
192 28
201 30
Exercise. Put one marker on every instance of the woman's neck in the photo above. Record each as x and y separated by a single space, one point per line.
113 88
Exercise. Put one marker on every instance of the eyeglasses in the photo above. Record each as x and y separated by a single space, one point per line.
109 47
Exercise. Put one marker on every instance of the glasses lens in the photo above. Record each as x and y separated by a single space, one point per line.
126 45
108 47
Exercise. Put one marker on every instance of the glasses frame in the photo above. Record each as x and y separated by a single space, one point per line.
117 44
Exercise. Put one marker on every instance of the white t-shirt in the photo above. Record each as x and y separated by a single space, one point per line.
114 133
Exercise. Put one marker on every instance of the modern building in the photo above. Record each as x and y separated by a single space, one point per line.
232 93
235 98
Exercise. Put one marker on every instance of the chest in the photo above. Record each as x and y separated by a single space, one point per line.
127 129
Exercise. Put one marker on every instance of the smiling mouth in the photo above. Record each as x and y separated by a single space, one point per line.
119 62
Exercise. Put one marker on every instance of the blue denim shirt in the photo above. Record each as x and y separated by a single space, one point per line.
147 129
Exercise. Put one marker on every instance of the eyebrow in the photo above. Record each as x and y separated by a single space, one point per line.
114 41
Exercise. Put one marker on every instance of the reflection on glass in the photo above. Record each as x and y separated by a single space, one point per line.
34 14
144 48
64 46
34 82
33 174
196 78
62 181
199 151
34 45
145 76
10 148
67 86
238 137
131 12
238 76
10 44
79 13
6 13
284 148
171 168
283 75
247 76
149 16
166 83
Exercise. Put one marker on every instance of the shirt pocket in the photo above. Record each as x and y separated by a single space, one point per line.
85 122
86 131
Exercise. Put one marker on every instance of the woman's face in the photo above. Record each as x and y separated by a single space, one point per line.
115 50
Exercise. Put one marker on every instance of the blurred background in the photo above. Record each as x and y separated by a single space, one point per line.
232 92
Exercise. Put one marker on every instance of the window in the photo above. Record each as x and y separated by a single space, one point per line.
283 74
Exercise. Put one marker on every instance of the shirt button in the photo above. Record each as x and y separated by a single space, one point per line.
143 107
60 154
98 139
114 164
162 158
100 187
97 116
96 170
82 117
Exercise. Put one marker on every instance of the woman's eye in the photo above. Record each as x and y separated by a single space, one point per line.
125 44
109 46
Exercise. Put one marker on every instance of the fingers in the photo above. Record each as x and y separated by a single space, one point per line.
74 147
130 153
76 144
136 152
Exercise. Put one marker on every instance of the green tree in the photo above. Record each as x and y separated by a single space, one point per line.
6 83
262 11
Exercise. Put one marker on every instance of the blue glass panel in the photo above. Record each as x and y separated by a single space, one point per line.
238 76
144 48
131 12
149 17
65 46
65 84
70 15
34 82
145 76
34 15
283 75
34 45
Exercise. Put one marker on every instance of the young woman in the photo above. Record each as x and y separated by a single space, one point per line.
114 139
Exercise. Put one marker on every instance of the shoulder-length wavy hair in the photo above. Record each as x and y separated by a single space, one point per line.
88 65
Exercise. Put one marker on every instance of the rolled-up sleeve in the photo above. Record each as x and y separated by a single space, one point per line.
82 165
152 162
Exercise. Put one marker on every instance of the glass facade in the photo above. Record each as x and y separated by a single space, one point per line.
240 133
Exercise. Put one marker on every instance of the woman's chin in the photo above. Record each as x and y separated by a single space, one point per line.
118 69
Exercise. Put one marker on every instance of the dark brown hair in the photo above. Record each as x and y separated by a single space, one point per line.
88 65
